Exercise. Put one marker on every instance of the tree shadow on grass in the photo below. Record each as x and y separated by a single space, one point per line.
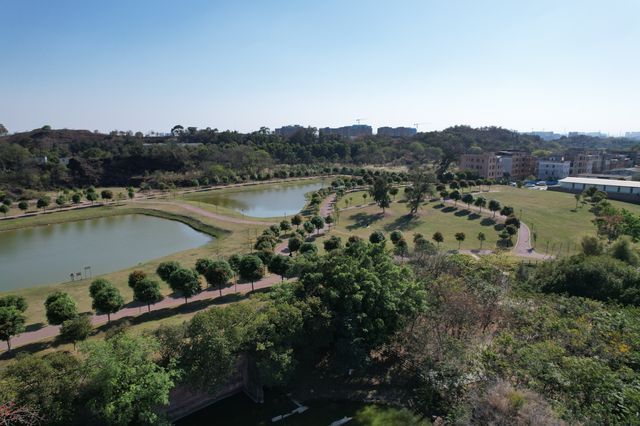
449 209
487 221
34 327
499 227
463 212
363 220
403 223
438 206
29 348
184 308
473 216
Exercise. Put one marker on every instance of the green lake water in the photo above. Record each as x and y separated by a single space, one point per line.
48 254
262 201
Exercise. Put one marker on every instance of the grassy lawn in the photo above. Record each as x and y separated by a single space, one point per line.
552 215
363 220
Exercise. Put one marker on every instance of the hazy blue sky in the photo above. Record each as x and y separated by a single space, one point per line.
149 64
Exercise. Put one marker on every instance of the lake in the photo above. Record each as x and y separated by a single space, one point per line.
48 254
262 200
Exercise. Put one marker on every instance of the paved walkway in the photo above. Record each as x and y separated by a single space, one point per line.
326 207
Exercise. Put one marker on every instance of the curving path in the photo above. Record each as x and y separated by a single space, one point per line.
326 207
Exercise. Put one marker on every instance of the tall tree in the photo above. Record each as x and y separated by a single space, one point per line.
494 206
422 185
380 193
125 383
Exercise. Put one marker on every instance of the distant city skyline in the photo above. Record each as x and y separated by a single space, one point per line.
239 65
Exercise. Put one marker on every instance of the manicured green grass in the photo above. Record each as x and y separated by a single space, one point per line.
432 217
552 216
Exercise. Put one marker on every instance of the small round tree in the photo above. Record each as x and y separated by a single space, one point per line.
76 330
401 248
460 237
297 221
60 307
12 322
4 209
97 286
106 195
294 244
329 220
135 277
185 281
285 226
107 300
24 206
438 237
76 198
165 269
377 237
280 265
203 265
308 248
332 243
318 223
396 236
147 291
308 227
43 202
218 274
251 269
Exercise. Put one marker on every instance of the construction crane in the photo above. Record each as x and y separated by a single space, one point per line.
417 125
358 120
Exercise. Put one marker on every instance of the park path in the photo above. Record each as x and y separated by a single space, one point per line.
46 332
217 216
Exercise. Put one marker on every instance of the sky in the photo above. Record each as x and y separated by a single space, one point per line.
142 65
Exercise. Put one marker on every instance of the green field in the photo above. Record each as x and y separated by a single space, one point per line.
363 220
552 216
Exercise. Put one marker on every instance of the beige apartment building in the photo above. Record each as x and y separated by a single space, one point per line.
486 165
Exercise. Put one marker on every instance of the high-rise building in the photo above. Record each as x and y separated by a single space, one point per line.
397 132
486 165
545 136
632 135
354 131
288 131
